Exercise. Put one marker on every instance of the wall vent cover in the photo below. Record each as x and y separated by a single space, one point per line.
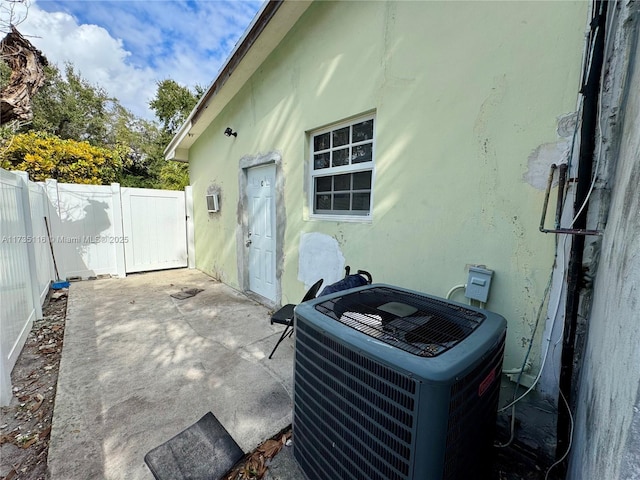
407 402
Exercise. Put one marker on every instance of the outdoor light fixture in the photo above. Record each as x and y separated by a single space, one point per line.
228 132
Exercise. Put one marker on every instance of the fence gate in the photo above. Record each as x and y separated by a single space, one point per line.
154 229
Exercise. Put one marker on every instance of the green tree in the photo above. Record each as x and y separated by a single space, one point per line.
172 105
69 107
174 175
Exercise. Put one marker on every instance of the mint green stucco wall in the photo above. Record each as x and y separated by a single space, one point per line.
465 95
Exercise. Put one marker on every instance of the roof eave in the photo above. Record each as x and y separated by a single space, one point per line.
250 51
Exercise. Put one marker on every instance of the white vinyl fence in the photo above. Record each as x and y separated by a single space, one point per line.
93 230
24 269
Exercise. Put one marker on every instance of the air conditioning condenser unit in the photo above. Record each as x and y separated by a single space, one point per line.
392 384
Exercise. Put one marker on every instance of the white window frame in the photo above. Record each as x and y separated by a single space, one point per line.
344 169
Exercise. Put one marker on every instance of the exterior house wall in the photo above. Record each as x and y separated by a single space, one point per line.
467 99
606 441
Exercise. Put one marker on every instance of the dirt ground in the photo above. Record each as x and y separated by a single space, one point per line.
25 424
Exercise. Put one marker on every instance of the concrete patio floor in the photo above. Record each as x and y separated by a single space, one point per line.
139 366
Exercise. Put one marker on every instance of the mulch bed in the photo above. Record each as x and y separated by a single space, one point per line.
25 425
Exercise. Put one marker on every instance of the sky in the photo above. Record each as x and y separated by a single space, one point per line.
127 46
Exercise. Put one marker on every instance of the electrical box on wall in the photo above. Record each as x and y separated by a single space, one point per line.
478 284
213 204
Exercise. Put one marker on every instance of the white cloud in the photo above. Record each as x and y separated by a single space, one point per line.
126 47
98 57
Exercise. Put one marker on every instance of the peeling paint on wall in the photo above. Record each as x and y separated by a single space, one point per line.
540 162
320 257
541 159
567 125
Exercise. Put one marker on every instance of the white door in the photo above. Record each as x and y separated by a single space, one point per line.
261 239
155 229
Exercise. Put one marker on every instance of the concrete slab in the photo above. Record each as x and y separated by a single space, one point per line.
139 366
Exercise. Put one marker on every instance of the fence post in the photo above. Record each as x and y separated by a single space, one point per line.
31 251
5 382
191 235
118 230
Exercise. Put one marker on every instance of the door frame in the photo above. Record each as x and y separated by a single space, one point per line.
242 230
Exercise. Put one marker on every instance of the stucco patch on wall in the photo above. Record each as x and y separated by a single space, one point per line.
541 159
540 162
320 257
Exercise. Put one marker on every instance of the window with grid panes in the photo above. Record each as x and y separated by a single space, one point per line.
342 168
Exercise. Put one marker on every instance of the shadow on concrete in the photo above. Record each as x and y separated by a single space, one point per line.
139 366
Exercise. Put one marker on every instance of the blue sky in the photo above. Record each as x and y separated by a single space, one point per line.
126 46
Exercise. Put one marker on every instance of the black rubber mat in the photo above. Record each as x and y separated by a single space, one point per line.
204 451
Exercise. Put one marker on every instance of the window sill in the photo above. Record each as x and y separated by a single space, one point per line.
341 218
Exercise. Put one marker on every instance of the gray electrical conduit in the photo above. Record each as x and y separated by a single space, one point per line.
512 371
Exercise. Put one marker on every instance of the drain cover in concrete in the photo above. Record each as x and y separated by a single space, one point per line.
190 292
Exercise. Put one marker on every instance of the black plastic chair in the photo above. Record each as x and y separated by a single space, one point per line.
284 316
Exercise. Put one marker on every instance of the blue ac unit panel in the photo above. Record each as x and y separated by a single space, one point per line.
392 384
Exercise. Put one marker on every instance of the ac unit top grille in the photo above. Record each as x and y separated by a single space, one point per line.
421 325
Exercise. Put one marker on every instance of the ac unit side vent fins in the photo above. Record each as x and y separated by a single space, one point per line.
404 382
470 405
347 415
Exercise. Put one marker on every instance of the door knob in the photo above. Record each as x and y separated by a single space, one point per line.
248 243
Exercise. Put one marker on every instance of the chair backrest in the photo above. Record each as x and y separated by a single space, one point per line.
351 281
313 291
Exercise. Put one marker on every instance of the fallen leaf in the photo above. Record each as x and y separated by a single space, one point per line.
11 474
36 405
45 433
6 439
270 448
30 442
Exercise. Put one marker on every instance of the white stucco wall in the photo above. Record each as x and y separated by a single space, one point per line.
469 99
606 442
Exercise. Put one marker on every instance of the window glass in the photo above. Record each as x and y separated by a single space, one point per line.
363 131
341 201
362 153
361 201
342 182
321 142
323 184
321 160
362 180
341 157
323 202
340 137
